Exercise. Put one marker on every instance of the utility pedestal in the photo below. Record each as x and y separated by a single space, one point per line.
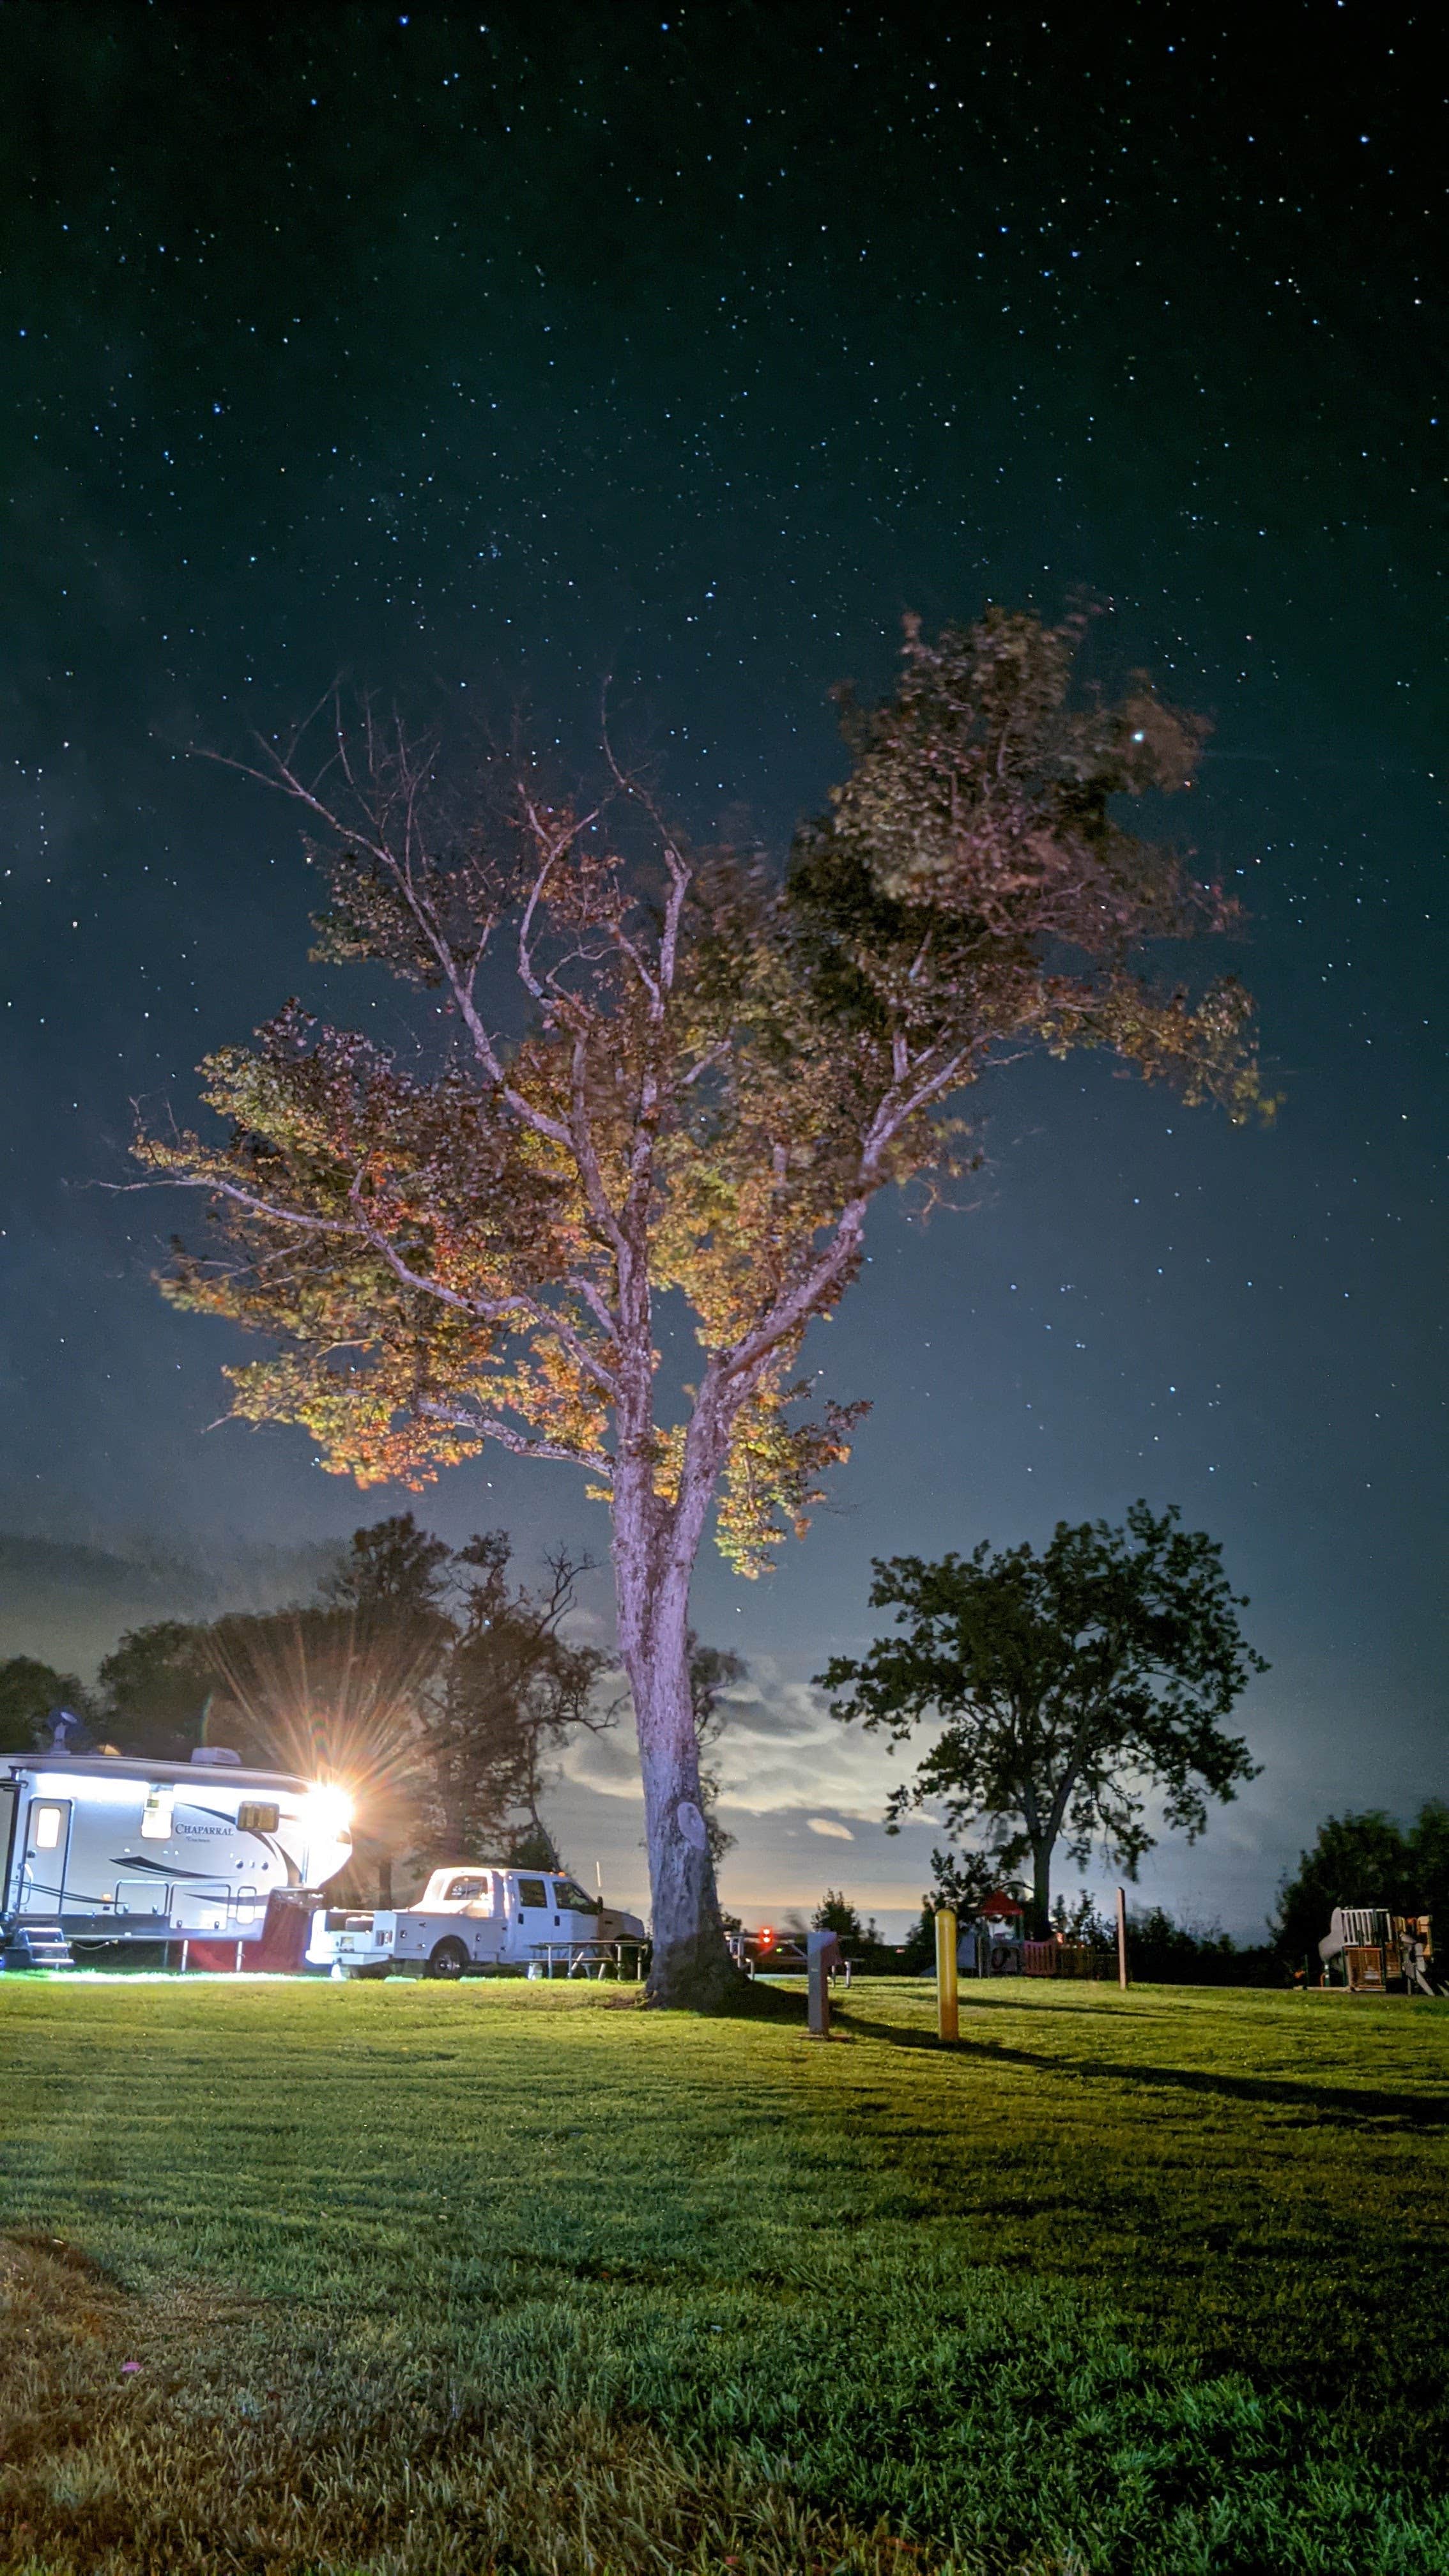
947 2014
822 1953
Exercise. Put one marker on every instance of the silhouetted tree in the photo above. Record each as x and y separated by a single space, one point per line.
395 1577
702 1077
963 1881
515 1689
862 1941
1429 1852
1080 1921
1068 1684
836 1914
29 1689
156 1687
438 1692
1165 1952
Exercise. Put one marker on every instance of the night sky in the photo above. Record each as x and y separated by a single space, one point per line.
479 360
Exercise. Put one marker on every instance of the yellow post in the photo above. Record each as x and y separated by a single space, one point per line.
947 2017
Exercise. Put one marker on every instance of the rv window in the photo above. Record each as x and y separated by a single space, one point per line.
47 1828
258 1818
531 1891
156 1816
467 1891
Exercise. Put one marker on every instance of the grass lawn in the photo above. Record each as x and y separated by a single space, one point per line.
424 2279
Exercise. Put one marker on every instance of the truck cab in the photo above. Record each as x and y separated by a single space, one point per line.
473 1916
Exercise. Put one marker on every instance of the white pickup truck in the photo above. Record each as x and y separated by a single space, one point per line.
472 1916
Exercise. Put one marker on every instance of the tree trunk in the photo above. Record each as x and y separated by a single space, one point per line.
691 1961
1041 1891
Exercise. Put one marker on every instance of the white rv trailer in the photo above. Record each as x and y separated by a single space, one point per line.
98 1847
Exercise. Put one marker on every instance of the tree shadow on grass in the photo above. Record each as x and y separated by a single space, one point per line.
1349 2106
743 2001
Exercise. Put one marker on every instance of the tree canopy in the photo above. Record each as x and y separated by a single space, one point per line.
1066 1685
722 1069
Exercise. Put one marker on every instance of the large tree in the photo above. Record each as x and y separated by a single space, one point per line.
645 1075
395 1579
1065 1686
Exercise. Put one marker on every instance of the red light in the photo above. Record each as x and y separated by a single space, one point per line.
767 1938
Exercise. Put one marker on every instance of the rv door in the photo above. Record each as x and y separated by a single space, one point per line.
47 1840
9 1803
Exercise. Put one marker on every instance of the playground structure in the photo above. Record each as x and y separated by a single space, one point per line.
995 1945
1380 1953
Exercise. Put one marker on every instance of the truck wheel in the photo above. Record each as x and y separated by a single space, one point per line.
449 1959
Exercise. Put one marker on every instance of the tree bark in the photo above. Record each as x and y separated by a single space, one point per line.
1041 1890
691 1963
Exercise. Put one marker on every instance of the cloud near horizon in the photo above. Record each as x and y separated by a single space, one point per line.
781 1753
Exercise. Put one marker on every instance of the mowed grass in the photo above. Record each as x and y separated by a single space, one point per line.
424 2279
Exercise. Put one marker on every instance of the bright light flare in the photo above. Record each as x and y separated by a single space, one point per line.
329 1811
319 1696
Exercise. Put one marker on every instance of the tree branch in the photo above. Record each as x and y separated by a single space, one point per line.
486 1426
460 985
793 1311
484 1310
580 1139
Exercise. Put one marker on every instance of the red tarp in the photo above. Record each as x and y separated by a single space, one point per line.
279 1952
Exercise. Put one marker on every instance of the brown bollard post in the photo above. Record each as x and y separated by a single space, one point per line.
1122 1978
948 2019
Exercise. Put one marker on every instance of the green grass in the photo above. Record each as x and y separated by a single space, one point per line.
424 2280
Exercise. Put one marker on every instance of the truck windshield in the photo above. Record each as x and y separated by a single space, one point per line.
570 1894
